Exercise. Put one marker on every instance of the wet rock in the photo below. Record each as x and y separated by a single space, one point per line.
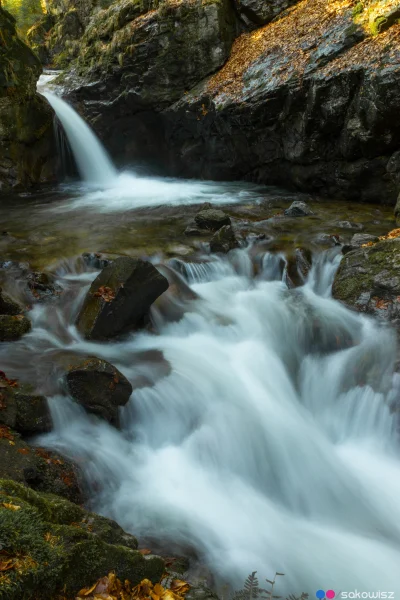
298 209
348 225
224 240
120 298
8 306
27 413
298 266
13 327
98 260
358 240
328 240
68 546
193 230
211 219
99 387
42 287
40 469
368 280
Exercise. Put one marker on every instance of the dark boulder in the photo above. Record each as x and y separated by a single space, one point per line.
99 387
211 219
224 240
25 412
298 209
120 298
13 327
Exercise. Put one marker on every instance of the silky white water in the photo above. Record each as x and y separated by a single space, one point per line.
94 166
270 445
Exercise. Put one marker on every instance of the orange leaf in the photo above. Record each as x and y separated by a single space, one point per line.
11 506
144 551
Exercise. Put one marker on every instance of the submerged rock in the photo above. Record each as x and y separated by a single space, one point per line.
368 280
298 209
224 240
99 387
13 327
120 298
67 546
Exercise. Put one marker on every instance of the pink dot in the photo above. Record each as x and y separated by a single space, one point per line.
330 594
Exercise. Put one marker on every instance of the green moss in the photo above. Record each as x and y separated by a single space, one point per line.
377 25
358 9
62 546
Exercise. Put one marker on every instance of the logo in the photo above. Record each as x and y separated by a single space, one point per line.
321 594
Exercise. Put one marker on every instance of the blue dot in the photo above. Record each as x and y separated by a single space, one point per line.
320 594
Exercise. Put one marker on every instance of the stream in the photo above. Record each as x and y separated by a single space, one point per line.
261 433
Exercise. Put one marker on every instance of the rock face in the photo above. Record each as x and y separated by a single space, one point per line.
368 280
119 299
309 101
67 546
262 11
99 387
137 58
26 120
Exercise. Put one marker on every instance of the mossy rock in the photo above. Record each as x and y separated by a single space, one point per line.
40 469
368 280
57 550
13 327
27 153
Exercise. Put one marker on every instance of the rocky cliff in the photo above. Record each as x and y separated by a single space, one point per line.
26 120
309 100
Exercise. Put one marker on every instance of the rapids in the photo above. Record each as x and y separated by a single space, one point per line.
270 444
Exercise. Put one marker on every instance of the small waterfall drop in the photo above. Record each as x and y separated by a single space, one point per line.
92 161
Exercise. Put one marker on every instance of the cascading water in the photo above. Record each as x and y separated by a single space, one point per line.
92 161
269 445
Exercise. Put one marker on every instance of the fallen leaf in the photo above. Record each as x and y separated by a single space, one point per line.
23 450
5 433
106 293
144 551
11 506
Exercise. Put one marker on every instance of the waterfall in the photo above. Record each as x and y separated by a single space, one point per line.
93 163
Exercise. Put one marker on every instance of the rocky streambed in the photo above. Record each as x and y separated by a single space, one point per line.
87 305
